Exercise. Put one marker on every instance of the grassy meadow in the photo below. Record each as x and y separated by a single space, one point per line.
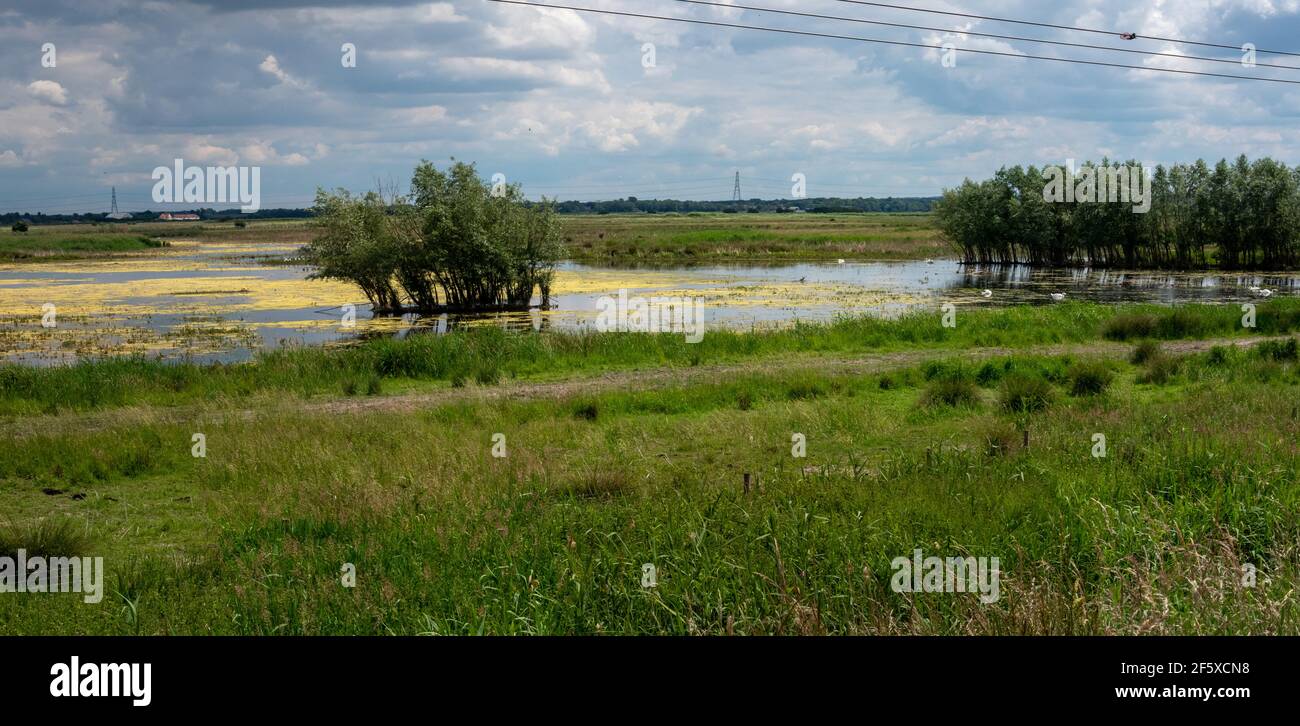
698 237
92 238
50 245
622 450
618 239
487 356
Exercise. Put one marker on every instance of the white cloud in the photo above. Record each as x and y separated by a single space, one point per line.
608 126
263 152
366 17
49 92
272 66
197 151
521 27
484 69
418 116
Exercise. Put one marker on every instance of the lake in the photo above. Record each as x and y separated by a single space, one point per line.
222 302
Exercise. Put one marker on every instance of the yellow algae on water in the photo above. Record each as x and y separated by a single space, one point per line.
197 298
600 282
191 297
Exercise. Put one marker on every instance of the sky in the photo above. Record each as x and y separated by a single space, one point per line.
569 104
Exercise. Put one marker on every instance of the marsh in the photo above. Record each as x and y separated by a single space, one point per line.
223 301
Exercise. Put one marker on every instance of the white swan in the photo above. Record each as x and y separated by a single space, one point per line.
1058 296
987 293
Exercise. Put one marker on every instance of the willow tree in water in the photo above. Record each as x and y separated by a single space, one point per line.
356 243
483 246
1237 215
455 242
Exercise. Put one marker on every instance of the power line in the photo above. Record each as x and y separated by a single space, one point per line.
985 35
1063 27
834 36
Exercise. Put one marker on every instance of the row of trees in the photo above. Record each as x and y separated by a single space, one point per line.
205 214
454 242
1236 215
818 204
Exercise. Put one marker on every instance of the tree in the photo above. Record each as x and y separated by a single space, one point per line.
19 226
453 243
1248 213
355 244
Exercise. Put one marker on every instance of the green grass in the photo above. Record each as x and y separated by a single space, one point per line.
944 452
45 538
50 246
677 239
487 356
1090 378
950 392
1023 393
1202 476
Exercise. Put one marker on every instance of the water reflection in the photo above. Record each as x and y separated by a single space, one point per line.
213 302
813 291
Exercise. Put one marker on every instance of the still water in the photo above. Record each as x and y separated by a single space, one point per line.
222 302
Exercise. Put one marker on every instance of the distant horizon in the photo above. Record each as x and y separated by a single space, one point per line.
233 210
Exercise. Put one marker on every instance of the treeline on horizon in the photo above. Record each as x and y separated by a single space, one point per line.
215 215
1238 215
752 206
822 205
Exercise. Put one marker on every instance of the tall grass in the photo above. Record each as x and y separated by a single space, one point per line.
61 537
46 245
1202 477
489 355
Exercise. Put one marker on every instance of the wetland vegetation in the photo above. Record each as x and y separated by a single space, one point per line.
608 471
65 246
1239 215
626 449
455 243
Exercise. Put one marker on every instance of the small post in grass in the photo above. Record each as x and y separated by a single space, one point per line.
746 482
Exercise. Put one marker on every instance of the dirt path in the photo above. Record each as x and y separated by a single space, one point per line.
643 379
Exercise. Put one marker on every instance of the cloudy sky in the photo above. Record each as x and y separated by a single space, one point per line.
564 102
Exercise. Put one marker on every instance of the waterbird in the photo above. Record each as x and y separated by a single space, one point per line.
929 261
987 293
802 279
1058 296
1265 293
839 262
